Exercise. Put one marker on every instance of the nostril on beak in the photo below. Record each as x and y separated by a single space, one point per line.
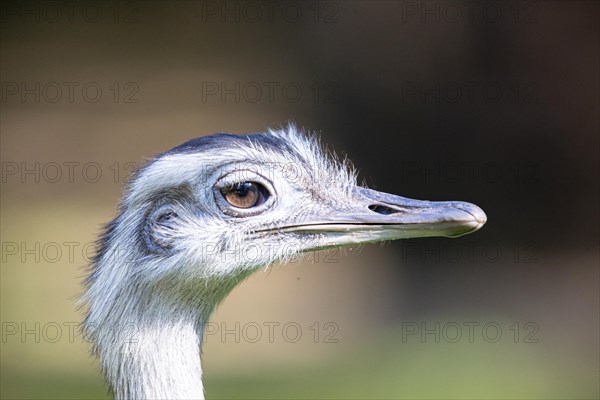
384 210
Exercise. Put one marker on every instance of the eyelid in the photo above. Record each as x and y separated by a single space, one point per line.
239 176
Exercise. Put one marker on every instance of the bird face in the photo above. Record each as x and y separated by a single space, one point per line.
225 204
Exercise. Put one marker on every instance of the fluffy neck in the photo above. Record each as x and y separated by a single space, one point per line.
158 361
149 340
150 349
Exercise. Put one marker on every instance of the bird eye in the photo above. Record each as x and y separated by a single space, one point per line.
245 194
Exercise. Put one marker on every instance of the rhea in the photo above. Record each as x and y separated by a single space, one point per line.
182 238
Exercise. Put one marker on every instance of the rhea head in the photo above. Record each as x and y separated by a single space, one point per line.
201 217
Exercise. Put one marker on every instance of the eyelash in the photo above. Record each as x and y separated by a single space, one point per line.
229 182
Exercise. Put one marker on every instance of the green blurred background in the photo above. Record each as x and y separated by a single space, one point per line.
490 102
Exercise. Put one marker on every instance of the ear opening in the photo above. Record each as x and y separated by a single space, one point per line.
163 219
160 229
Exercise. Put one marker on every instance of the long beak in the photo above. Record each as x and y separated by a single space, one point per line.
377 216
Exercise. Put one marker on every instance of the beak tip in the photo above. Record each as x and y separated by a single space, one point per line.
479 215
476 212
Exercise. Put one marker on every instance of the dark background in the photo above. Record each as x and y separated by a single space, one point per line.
495 103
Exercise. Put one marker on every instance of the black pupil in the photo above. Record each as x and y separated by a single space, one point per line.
242 189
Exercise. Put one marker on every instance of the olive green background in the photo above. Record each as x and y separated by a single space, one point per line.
494 103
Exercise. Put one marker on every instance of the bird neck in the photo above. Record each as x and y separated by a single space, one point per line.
160 362
148 332
149 340
153 354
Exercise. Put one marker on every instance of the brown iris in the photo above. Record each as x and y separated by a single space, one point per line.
245 194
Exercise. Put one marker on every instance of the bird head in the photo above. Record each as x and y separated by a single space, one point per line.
224 205
199 218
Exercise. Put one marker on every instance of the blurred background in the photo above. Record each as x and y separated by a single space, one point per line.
495 103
